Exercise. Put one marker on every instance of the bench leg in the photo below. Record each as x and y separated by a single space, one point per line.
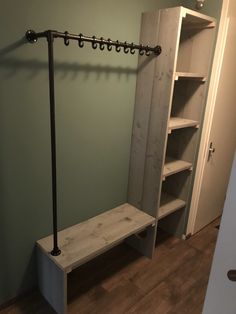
146 244
52 283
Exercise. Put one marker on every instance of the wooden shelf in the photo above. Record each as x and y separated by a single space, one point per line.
84 241
190 76
173 166
195 19
179 123
168 205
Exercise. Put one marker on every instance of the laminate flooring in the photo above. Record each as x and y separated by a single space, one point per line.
122 281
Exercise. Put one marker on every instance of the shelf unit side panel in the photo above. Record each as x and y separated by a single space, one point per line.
184 55
168 37
194 105
144 86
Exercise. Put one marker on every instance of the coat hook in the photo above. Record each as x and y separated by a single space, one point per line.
80 41
141 50
126 49
66 39
147 51
101 44
94 44
118 46
109 46
132 50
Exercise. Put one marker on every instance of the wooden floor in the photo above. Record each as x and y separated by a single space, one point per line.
122 281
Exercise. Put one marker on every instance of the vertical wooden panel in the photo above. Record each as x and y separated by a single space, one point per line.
52 283
163 84
145 244
152 107
143 100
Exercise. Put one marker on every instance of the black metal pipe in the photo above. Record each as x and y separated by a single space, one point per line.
33 36
56 251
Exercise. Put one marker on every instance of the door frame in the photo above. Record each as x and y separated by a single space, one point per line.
210 106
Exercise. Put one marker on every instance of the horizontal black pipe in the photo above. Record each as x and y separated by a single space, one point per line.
33 36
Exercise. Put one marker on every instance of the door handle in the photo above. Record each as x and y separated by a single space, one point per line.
232 274
211 151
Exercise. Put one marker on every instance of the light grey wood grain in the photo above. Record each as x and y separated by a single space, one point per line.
173 166
190 76
179 123
188 100
195 46
141 129
82 242
142 110
192 18
176 87
163 84
168 205
178 185
145 244
174 223
182 144
52 282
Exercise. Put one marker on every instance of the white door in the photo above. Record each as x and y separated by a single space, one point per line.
220 148
221 292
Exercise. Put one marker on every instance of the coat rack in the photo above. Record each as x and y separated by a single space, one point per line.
32 37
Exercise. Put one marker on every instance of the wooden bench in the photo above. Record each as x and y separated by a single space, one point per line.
81 243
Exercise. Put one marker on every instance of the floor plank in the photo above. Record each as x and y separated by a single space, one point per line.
122 281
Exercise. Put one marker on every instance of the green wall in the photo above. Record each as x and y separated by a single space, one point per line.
95 97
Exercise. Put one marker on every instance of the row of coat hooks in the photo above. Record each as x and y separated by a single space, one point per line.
96 42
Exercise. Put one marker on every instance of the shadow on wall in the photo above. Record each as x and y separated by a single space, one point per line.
30 274
24 246
13 65
4 51
63 68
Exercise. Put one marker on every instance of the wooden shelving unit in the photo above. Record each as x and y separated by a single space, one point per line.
169 109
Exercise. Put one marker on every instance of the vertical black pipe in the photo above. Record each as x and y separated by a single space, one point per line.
56 251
